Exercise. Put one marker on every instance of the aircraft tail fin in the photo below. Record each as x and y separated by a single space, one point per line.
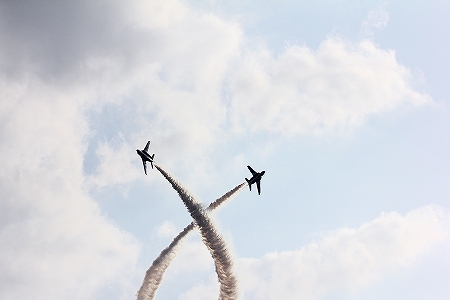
248 182
151 162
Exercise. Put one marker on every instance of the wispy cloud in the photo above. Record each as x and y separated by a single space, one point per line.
56 244
347 258
116 165
334 88
164 69
376 20
167 229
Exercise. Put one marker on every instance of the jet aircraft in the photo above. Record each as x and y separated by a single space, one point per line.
146 157
256 178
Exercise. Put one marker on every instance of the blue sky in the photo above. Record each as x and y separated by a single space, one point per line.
344 104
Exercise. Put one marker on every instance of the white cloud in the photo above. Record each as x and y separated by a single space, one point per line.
55 242
166 230
161 61
192 257
173 87
60 63
376 19
346 258
116 165
313 92
162 67
206 291
165 65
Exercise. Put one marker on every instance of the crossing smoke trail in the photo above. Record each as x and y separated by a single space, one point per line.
154 275
212 240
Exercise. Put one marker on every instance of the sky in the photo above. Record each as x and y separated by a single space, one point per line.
343 103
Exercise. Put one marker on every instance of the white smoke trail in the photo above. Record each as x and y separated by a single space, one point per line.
154 275
213 205
212 240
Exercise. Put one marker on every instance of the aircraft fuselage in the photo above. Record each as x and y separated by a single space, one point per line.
144 155
256 178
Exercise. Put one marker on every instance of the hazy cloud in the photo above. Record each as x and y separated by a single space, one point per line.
166 230
116 165
193 256
151 69
302 91
60 63
346 258
161 63
55 242
376 19
202 291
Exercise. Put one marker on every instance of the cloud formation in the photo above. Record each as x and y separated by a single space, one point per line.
61 64
160 70
74 76
302 91
160 67
376 19
346 258
56 244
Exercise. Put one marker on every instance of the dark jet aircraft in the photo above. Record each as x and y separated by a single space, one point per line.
146 157
256 178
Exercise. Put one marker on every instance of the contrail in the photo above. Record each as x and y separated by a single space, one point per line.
212 240
154 275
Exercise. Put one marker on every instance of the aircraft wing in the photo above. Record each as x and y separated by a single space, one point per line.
251 170
258 185
145 167
146 146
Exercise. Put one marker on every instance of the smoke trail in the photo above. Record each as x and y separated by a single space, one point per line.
213 205
154 275
212 240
